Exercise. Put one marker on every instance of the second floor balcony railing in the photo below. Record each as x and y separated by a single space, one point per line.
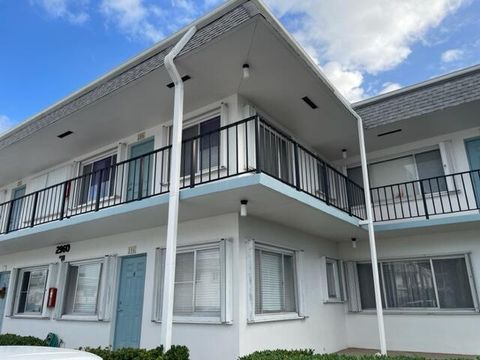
250 145
440 195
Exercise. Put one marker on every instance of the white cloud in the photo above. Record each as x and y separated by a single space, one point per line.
452 55
132 18
369 36
389 86
5 123
74 11
347 82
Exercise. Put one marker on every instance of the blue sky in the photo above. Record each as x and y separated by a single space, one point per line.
51 48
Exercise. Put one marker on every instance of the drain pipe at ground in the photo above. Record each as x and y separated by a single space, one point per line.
174 194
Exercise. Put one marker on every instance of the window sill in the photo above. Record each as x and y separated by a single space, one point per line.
79 318
276 317
334 301
421 312
30 316
196 320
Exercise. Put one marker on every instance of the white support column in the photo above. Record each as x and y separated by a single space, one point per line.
371 238
174 194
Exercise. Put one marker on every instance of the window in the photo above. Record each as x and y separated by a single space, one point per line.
429 283
82 288
197 283
202 283
333 272
418 166
200 153
97 176
31 290
274 282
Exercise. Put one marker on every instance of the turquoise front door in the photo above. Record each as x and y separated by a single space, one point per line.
473 150
4 278
16 208
140 170
128 324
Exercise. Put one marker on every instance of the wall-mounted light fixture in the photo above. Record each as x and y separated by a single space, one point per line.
243 208
246 71
344 154
354 243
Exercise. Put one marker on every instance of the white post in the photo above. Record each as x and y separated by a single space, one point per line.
371 238
174 194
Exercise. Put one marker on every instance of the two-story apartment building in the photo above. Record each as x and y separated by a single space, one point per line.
272 245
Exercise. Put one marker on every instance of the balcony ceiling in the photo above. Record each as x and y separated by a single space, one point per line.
279 79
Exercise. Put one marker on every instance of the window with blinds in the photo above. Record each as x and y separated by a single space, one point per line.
334 280
202 286
274 282
83 282
198 283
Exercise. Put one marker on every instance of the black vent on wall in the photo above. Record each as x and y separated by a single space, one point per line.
184 78
389 132
309 102
65 134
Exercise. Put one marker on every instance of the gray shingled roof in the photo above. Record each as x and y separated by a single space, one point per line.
212 30
438 94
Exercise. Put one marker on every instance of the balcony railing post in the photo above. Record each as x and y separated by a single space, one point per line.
66 186
99 186
297 166
9 218
424 200
325 181
257 144
192 169
140 180
34 209
349 196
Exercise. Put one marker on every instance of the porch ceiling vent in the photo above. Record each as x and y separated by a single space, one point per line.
389 132
65 134
309 102
184 78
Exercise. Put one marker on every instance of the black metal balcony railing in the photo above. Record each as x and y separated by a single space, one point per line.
439 195
250 145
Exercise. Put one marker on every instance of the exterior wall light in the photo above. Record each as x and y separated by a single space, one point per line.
246 71
243 208
354 243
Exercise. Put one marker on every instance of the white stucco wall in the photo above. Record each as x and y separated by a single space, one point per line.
197 337
324 328
444 333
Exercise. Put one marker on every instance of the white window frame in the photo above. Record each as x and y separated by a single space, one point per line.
74 315
356 305
197 120
297 255
338 277
411 154
226 274
18 287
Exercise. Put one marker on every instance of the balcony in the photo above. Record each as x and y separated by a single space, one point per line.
436 196
249 146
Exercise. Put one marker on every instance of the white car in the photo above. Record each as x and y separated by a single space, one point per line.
43 353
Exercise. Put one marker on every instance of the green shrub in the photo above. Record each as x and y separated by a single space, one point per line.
12 339
309 355
175 353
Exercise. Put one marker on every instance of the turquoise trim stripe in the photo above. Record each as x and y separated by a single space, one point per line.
420 223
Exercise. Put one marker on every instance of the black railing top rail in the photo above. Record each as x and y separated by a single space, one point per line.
426 179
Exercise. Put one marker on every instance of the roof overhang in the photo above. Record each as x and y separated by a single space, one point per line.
135 97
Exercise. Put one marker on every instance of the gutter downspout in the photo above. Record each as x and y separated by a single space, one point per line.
371 238
174 194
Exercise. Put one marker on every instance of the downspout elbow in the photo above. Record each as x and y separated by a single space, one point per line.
168 60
